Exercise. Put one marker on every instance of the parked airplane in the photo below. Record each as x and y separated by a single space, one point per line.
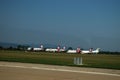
90 51
51 50
58 49
71 51
84 51
35 49
74 51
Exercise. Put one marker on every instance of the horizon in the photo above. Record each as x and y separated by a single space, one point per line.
75 23
14 45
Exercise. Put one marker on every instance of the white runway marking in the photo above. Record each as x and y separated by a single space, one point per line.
64 70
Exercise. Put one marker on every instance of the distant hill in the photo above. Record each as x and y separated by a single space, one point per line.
45 45
6 45
14 45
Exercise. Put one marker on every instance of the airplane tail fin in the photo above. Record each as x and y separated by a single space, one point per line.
97 50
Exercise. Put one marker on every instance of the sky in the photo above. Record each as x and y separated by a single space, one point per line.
74 23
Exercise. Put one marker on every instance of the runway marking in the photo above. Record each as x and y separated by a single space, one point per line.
63 70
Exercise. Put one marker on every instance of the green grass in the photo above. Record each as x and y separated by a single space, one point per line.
89 60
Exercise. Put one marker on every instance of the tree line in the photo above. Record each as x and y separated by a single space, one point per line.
19 47
24 48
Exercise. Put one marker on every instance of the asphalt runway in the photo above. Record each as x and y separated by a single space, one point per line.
26 71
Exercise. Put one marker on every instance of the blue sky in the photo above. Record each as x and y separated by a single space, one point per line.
76 23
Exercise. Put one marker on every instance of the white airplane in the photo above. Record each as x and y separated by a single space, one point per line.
55 50
74 51
51 50
29 49
90 51
35 49
84 51
71 51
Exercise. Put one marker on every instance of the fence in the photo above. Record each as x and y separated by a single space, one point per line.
78 61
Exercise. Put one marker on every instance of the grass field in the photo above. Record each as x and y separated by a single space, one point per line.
63 59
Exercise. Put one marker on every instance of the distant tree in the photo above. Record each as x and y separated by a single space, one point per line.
10 48
19 47
70 48
22 47
1 47
82 49
25 47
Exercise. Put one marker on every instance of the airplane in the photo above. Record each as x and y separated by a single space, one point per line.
58 49
84 51
74 51
51 50
35 49
90 51
71 51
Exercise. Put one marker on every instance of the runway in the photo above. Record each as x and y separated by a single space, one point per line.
22 71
